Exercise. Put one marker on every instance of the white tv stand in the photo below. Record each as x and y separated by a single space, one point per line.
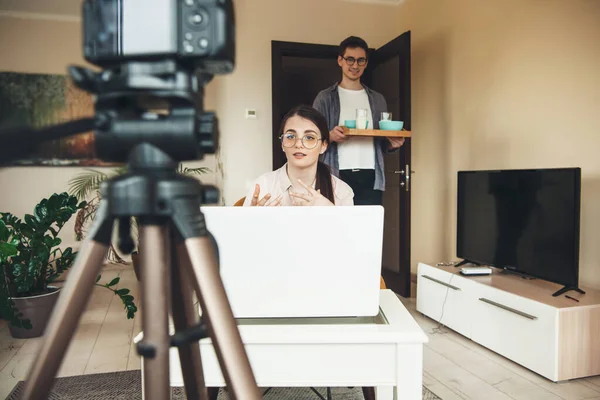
555 337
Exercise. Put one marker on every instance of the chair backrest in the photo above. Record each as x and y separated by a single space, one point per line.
240 202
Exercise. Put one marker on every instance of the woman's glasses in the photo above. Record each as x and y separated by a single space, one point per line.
309 141
351 60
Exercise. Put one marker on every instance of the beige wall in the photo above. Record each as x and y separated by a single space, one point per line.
502 84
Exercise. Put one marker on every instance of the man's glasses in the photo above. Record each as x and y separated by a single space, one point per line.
351 60
309 141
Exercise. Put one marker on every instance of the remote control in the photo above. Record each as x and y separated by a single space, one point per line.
476 270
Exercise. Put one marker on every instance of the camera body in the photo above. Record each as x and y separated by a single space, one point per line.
198 34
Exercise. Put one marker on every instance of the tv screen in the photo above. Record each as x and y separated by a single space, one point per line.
521 220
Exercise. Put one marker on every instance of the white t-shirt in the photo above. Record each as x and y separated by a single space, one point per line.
356 152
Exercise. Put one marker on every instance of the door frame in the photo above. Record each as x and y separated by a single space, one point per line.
400 282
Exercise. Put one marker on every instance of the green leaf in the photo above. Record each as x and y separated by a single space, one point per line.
131 309
7 250
31 221
18 270
72 202
98 278
121 292
114 282
4 232
48 241
54 231
26 231
34 266
40 212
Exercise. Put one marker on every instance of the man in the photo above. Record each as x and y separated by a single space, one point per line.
358 161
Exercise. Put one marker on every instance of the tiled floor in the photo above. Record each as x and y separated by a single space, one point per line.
454 367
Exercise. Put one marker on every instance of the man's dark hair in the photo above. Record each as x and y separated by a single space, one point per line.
353 42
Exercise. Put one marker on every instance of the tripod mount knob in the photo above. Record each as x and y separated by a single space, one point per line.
208 132
210 194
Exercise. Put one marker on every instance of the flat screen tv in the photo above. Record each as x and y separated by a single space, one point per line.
526 221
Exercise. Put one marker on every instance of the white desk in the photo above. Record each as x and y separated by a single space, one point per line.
385 351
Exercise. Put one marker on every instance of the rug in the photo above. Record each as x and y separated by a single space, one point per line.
126 385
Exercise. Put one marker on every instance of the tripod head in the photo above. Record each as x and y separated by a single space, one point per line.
157 103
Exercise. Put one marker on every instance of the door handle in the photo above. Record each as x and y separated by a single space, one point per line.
406 172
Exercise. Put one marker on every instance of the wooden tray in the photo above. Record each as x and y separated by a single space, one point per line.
375 132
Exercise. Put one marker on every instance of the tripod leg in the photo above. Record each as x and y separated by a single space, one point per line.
67 312
155 285
224 332
185 315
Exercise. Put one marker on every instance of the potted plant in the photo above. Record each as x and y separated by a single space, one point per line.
88 182
31 260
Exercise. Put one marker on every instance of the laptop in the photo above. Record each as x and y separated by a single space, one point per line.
288 262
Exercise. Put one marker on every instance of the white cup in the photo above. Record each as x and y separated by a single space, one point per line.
386 116
361 118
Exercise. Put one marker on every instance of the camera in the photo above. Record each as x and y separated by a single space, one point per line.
199 34
156 57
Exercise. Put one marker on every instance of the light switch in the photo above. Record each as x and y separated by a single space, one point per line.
250 114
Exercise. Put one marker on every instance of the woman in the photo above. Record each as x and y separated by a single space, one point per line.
303 180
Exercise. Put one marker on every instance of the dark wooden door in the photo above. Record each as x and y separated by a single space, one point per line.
389 74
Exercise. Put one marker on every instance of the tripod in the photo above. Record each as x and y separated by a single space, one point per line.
178 254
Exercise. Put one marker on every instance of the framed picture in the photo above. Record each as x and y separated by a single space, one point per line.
39 100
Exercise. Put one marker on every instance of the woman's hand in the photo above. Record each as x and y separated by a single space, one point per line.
265 200
313 198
